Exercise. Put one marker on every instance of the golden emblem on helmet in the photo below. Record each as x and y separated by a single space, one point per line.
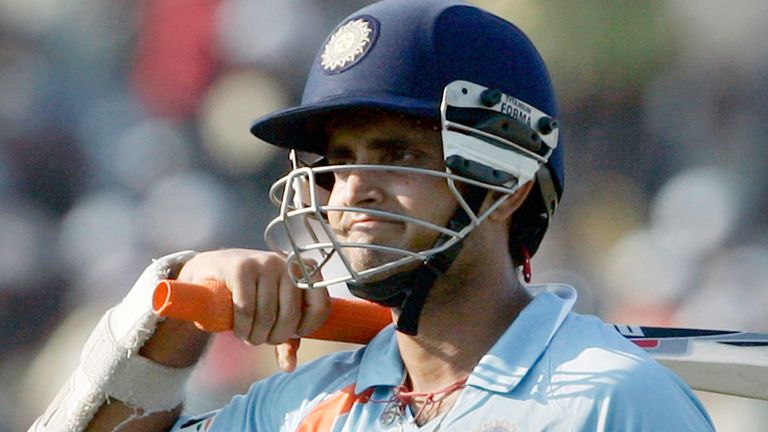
346 45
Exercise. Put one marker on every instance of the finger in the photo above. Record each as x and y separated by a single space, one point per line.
316 304
289 311
243 284
286 354
317 308
207 266
267 291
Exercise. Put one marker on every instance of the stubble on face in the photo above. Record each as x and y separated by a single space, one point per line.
389 140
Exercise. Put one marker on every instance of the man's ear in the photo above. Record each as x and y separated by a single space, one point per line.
510 205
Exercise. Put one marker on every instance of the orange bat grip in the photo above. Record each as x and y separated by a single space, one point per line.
209 306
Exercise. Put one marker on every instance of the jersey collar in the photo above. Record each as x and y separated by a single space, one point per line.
381 364
518 349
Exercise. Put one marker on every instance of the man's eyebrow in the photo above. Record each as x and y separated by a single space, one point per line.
388 143
338 152
373 144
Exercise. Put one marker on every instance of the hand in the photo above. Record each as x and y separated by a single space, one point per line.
268 307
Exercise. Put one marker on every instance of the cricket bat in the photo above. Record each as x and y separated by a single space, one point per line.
719 361
727 362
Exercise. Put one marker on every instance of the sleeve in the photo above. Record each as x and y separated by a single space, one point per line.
250 412
280 401
653 398
605 383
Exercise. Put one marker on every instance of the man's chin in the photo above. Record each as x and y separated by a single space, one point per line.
378 276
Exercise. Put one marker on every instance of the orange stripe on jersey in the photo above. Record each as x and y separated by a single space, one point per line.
322 417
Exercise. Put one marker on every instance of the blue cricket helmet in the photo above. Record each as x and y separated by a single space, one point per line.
399 56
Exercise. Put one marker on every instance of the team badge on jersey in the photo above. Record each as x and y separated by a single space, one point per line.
349 44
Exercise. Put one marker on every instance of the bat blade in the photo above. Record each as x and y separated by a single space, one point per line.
727 362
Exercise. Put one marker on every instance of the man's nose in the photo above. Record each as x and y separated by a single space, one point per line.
362 187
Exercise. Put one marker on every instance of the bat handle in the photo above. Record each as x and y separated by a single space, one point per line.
209 306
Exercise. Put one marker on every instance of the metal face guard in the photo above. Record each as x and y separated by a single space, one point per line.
488 141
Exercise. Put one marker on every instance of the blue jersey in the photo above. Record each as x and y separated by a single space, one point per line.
552 370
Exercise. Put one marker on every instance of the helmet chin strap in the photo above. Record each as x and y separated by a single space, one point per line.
408 290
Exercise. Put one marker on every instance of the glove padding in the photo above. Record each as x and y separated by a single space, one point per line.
110 366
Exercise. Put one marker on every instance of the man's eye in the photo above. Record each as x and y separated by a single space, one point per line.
406 156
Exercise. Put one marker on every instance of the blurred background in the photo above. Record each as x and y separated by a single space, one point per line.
124 136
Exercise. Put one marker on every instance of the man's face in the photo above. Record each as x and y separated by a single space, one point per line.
387 140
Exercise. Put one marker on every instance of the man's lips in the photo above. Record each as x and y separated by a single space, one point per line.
366 222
